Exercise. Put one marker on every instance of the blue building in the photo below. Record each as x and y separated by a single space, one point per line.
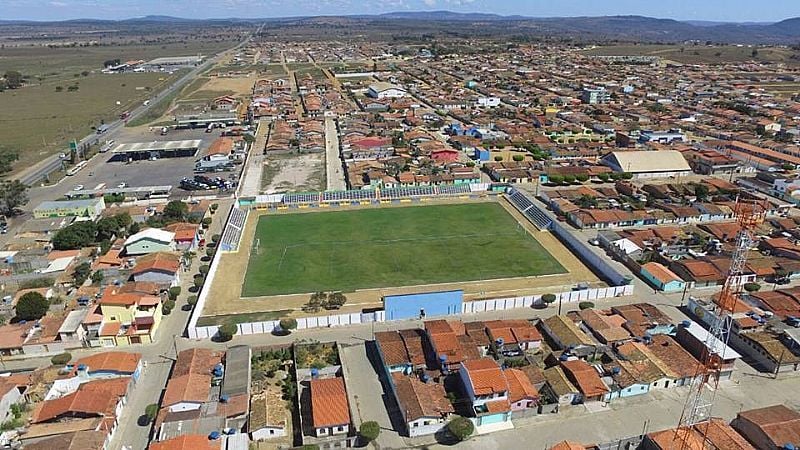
662 278
429 304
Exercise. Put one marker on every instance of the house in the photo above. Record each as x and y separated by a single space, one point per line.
696 340
423 404
151 240
586 379
330 410
522 394
648 164
91 208
567 336
268 415
768 350
385 90
187 235
512 337
681 363
13 390
393 352
102 399
770 428
188 442
71 331
161 268
662 278
644 319
109 365
559 386
126 318
712 433
75 440
188 387
487 390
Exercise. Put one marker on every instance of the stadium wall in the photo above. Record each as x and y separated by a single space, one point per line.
474 307
410 306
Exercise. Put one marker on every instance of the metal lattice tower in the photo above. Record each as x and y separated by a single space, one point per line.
698 406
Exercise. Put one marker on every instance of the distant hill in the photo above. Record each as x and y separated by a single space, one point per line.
625 28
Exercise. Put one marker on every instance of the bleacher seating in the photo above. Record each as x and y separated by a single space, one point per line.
454 189
355 194
407 192
233 230
531 211
301 197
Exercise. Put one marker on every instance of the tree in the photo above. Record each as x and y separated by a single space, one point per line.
198 281
204 269
13 79
369 431
167 307
460 427
206 222
32 306
603 177
107 228
174 292
75 236
150 412
191 300
569 179
14 193
210 252
288 324
548 298
97 277
81 273
315 302
585 305
701 191
175 211
227 331
583 178
134 228
518 158
335 301
754 53
61 359
626 176
556 179
752 287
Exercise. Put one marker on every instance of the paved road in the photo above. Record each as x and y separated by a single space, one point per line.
364 392
333 162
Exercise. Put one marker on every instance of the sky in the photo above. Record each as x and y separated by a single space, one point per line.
714 10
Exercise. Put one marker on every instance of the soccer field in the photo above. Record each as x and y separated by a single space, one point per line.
391 247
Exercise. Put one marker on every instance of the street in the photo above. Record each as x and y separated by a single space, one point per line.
333 162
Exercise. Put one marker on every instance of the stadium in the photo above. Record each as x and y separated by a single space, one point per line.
393 244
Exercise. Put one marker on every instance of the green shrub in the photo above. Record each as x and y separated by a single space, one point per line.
61 359
227 331
752 287
549 298
585 305
288 324
151 411
460 427
174 292
369 431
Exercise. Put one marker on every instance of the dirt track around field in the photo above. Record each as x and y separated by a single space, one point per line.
225 294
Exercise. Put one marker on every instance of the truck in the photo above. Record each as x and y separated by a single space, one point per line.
213 163
124 115
146 102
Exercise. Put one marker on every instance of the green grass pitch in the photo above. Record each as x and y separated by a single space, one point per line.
390 247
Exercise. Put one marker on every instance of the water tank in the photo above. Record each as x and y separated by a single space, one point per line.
563 357
615 370
230 431
442 358
686 323
223 398
214 435
789 446
314 373
218 370
425 378
500 342
81 366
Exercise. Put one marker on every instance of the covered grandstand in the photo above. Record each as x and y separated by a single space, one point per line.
156 149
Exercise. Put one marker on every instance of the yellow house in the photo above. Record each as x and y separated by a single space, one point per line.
128 318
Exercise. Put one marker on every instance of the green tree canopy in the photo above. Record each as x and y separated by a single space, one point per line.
32 306
176 211
460 427
369 431
14 193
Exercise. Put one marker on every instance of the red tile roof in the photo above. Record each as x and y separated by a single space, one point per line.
110 361
485 376
585 377
98 398
329 406
159 261
519 386
187 442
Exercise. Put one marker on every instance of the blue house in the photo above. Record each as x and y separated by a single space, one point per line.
662 278
420 306
488 392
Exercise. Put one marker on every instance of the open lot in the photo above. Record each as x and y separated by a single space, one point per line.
38 121
698 54
371 248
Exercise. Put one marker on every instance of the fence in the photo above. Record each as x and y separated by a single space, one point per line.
474 307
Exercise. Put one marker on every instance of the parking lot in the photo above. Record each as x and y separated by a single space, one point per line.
161 172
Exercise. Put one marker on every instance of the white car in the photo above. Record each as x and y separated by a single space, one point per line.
78 188
122 185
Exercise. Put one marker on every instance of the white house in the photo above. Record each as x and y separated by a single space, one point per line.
386 90
423 404
267 418
150 240
488 102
